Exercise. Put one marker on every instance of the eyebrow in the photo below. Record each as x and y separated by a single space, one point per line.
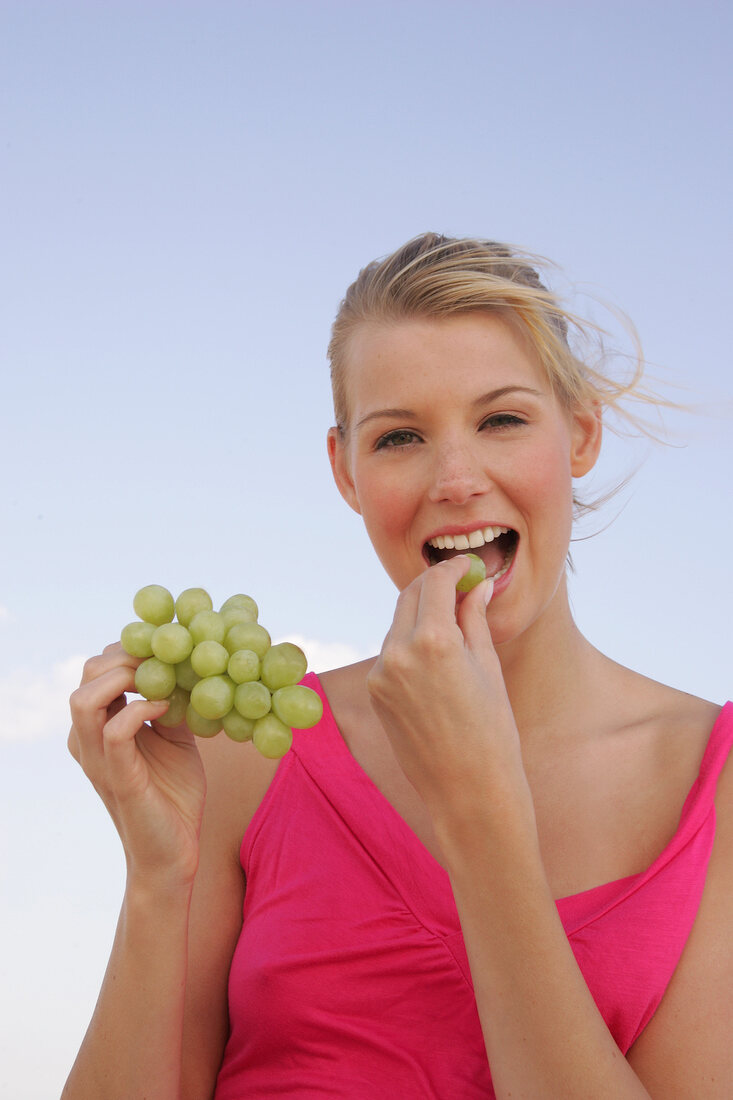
484 399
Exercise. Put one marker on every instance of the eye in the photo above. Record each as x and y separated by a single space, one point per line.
400 437
501 421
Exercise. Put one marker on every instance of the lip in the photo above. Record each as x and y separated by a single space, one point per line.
464 529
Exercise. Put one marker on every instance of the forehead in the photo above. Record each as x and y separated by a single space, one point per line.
437 355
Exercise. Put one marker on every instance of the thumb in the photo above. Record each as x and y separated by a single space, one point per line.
471 616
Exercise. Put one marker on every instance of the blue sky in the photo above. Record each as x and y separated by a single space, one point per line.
188 188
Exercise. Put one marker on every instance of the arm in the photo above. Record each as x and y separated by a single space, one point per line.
685 1051
153 787
133 1045
543 1033
163 1001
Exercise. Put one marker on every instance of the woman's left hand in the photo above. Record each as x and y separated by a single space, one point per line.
438 690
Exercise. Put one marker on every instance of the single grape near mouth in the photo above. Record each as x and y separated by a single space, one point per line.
476 573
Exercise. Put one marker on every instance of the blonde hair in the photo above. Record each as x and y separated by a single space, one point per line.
436 276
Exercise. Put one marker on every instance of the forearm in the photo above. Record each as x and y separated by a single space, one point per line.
543 1033
132 1048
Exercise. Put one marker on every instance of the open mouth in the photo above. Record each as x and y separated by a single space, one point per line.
496 546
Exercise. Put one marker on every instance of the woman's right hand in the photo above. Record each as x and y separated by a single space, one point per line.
150 778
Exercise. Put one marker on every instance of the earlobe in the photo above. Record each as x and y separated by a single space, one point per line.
340 467
586 441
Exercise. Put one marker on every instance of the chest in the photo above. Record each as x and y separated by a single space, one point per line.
604 811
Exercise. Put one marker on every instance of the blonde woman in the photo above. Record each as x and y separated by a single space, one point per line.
501 865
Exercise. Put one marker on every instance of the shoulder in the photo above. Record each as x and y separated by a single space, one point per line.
237 779
665 730
238 776
346 691
685 1051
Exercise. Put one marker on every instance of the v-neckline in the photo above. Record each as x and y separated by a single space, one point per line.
574 908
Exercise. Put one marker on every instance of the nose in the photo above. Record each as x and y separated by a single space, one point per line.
457 475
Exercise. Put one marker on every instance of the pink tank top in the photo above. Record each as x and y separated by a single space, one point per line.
350 978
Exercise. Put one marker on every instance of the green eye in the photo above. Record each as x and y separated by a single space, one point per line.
399 438
502 420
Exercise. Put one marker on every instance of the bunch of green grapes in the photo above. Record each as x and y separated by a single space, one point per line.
219 669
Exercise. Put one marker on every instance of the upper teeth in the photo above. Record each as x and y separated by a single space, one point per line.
469 541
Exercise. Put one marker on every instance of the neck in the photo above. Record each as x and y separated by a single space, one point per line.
550 670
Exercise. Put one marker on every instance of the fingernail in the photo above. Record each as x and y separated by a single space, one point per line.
488 589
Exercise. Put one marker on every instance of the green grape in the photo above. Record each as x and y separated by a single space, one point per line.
244 665
234 615
154 679
202 727
213 696
252 700
297 706
172 643
272 737
176 713
136 638
209 658
186 676
244 635
237 727
218 669
207 626
190 601
282 665
154 604
240 600
476 573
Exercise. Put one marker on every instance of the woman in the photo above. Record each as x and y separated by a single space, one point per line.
499 848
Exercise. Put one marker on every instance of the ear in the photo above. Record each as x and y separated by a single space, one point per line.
338 457
586 436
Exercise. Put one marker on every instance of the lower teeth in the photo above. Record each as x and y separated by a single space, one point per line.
507 562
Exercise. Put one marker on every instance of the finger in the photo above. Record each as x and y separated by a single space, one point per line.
403 622
98 693
72 745
112 657
121 753
114 708
438 591
116 705
471 616
89 706
117 647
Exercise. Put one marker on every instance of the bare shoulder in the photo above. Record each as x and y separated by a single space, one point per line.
685 1051
669 728
684 721
346 691
237 779
675 711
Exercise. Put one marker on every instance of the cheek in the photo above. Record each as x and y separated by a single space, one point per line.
551 481
548 488
388 510
386 504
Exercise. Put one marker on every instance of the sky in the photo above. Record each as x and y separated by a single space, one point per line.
187 191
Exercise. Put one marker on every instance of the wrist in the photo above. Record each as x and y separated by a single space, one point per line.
487 824
157 893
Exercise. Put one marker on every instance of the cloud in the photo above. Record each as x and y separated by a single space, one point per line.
323 656
35 705
5 615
